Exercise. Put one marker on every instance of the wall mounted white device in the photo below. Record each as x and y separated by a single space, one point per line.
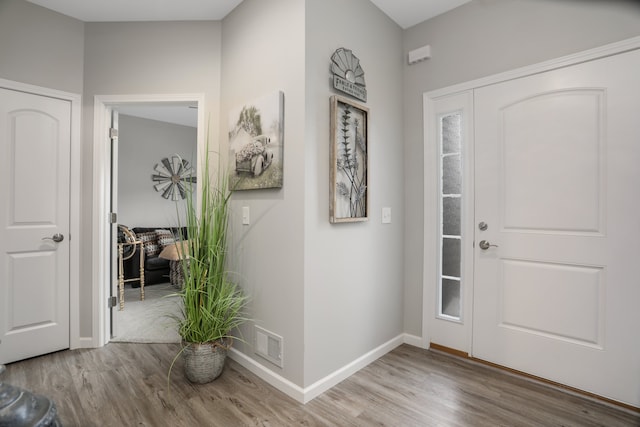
420 54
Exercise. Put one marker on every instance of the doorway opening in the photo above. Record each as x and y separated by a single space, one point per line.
138 108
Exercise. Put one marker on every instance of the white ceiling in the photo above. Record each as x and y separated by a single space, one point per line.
141 10
408 13
405 12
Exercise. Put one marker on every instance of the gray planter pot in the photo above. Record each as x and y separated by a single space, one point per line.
20 407
203 362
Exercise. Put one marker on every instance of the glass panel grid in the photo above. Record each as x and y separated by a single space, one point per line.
450 286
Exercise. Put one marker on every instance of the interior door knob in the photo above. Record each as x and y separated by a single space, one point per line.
56 238
484 245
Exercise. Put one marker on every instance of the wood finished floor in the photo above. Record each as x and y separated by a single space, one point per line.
126 385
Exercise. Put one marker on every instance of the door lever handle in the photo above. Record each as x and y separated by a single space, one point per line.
56 238
484 245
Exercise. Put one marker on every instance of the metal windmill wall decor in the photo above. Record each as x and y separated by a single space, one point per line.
173 178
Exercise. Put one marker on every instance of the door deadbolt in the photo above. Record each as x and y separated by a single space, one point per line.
482 226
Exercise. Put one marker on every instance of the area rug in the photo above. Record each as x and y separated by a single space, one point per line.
151 320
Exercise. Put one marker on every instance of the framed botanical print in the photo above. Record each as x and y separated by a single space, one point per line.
349 174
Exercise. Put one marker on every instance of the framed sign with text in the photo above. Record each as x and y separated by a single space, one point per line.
348 75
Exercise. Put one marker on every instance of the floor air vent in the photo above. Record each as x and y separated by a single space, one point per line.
269 346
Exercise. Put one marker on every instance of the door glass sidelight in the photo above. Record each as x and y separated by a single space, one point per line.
450 191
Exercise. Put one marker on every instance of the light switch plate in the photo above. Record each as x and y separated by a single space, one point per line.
386 215
246 219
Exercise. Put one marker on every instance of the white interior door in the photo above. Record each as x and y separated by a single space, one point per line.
35 145
556 180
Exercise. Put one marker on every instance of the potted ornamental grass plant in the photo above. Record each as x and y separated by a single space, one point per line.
212 304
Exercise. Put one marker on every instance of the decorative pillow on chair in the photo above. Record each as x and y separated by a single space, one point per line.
150 242
175 251
165 238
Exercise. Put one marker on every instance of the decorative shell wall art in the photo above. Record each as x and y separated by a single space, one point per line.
348 75
174 177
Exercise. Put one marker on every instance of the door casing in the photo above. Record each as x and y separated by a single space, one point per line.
101 229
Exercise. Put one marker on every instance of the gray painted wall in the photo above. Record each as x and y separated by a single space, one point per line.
263 51
40 47
334 292
142 58
45 48
353 277
142 143
311 282
478 39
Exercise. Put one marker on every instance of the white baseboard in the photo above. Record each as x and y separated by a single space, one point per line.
277 381
345 372
304 395
413 340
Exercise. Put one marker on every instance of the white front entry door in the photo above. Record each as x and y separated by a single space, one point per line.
35 144
557 170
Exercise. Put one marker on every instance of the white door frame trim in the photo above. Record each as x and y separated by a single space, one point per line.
428 247
74 201
101 264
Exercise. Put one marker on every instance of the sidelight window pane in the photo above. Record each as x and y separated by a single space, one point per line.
451 130
451 297
451 215
451 177
451 257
